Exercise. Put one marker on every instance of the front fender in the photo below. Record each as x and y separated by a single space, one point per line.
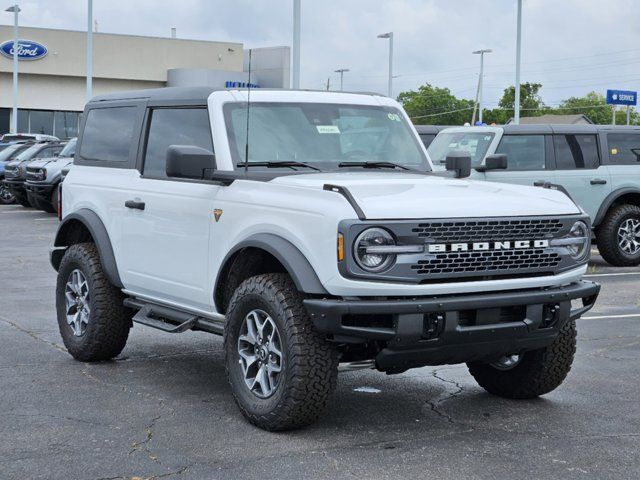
295 263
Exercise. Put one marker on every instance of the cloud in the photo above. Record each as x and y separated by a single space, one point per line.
567 45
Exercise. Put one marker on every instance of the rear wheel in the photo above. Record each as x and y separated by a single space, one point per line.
618 236
93 322
281 370
530 374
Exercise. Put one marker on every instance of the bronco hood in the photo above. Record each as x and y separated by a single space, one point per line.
395 195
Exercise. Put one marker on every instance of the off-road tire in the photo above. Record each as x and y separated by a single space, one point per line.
109 320
607 236
9 199
538 372
53 204
33 201
310 363
22 199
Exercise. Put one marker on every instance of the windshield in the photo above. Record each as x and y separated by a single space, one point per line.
322 135
473 143
69 149
7 153
28 153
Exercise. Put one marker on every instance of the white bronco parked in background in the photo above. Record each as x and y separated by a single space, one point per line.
317 237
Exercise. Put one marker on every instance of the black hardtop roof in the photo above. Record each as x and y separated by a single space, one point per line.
166 93
563 128
190 94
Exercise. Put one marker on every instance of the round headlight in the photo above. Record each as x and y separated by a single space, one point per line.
580 247
366 257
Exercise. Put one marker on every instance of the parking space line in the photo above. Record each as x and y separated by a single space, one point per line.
599 317
21 211
610 274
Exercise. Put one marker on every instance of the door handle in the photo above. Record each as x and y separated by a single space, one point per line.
598 181
134 204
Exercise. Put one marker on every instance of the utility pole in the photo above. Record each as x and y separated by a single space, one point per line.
15 9
341 72
89 49
480 81
516 103
296 46
389 35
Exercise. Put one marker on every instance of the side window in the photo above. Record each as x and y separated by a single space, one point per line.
524 152
108 133
48 152
624 148
174 126
576 151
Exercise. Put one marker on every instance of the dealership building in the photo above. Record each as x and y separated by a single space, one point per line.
52 71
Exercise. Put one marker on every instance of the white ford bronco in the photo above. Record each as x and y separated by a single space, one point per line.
308 229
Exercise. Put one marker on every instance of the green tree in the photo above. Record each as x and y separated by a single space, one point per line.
429 106
594 105
531 103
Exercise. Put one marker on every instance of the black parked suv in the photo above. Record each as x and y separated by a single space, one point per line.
15 171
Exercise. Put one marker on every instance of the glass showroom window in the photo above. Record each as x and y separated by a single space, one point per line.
63 125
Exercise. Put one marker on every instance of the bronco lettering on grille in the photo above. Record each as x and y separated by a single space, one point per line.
484 246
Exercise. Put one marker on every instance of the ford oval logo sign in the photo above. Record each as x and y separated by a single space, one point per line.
27 50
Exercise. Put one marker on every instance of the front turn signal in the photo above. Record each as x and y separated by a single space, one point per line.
340 247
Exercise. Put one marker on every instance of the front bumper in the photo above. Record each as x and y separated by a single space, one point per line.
42 191
14 185
452 329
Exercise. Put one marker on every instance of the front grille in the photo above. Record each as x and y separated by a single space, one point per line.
31 174
494 230
10 172
491 262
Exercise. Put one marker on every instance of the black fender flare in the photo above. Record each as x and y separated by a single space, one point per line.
100 237
295 263
608 201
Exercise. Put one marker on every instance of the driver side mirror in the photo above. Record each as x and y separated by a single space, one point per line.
460 163
189 161
497 161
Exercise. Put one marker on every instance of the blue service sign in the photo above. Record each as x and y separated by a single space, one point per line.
27 50
622 97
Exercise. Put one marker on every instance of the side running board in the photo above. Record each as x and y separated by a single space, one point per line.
171 320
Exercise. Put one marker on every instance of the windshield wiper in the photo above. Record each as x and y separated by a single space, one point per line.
376 165
285 163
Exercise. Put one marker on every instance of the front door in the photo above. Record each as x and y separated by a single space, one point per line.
165 234
528 161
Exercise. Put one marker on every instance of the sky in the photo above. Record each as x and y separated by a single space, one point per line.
570 46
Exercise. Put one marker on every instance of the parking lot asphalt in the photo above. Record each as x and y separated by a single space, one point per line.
163 408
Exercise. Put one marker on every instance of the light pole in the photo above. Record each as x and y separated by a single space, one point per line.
15 9
480 81
516 103
341 72
296 46
389 35
89 49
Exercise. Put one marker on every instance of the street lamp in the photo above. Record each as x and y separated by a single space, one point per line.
295 61
15 9
341 72
389 35
89 49
480 78
516 103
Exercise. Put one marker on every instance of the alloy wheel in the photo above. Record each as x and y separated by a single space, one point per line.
629 236
260 351
507 362
77 302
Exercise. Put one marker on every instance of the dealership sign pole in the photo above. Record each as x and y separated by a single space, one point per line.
14 120
621 97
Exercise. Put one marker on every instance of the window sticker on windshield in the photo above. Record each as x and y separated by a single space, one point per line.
614 151
328 129
393 116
